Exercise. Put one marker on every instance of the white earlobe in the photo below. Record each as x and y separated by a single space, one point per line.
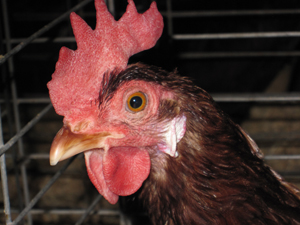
174 133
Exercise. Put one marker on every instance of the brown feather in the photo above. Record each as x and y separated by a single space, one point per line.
219 176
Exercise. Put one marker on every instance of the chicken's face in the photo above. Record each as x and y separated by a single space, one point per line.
117 141
111 117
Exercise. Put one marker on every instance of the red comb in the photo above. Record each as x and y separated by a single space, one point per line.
75 84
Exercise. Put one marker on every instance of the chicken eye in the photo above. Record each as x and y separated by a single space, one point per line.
136 102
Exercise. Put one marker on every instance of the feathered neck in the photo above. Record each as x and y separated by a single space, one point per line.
219 176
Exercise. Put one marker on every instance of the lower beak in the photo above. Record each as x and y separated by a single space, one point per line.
67 144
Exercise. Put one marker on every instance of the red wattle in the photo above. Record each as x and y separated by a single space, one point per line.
125 169
94 165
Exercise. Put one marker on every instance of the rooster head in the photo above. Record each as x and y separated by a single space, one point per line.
109 113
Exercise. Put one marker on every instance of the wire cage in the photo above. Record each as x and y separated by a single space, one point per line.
246 55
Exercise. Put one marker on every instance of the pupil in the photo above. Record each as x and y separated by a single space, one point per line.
136 102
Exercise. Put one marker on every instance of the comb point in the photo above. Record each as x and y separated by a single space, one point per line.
103 16
82 31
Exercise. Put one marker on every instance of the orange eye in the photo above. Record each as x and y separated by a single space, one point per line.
136 102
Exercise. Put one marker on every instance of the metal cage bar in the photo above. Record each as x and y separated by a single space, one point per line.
4 181
27 209
23 44
227 13
15 107
26 128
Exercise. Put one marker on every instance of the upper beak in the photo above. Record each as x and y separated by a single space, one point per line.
67 144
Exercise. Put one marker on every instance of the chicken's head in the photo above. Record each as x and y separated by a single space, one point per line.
110 113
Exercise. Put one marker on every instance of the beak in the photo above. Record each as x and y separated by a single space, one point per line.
67 144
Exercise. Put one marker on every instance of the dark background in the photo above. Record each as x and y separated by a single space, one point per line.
35 64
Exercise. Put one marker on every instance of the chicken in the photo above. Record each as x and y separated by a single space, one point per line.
146 130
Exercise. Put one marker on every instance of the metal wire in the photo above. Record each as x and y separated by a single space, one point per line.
205 55
281 157
102 212
4 180
284 34
89 209
26 128
30 100
42 191
44 40
20 46
248 97
15 107
258 97
222 13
